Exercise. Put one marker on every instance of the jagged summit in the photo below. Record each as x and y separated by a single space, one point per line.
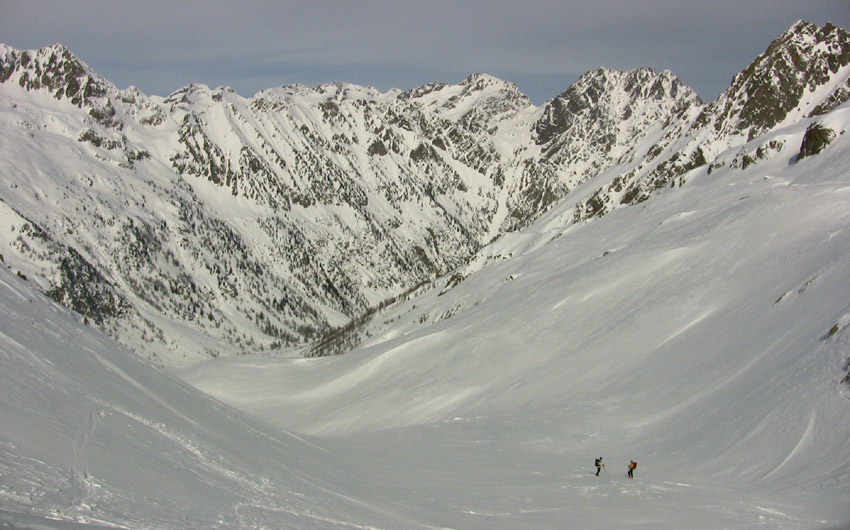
610 94
606 114
477 89
802 73
479 81
54 68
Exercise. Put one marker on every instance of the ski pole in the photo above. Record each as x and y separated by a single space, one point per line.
606 471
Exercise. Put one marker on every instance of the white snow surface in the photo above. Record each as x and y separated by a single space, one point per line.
703 333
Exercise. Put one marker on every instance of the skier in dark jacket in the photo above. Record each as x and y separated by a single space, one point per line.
599 465
632 466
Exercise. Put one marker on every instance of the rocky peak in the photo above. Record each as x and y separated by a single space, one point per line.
478 91
478 82
646 84
184 94
802 73
602 102
55 69
278 98
475 105
421 91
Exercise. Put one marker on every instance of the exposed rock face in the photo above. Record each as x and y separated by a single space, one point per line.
803 73
206 223
608 119
816 139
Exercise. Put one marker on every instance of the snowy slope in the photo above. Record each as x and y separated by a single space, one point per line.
90 433
703 333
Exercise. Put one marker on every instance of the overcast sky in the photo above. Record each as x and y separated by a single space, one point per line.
542 46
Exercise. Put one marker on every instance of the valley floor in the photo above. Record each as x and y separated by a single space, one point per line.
514 473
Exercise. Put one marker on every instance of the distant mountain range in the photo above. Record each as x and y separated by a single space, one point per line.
205 223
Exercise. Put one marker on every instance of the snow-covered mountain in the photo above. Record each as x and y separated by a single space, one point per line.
92 436
267 221
206 224
704 334
804 73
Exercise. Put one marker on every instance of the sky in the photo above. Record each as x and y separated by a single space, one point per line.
541 46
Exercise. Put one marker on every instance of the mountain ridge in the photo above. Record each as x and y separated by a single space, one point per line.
266 222
802 73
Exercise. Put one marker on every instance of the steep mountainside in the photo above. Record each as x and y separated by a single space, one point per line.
262 221
804 73
607 115
206 223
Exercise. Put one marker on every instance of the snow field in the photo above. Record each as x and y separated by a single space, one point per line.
93 435
690 333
